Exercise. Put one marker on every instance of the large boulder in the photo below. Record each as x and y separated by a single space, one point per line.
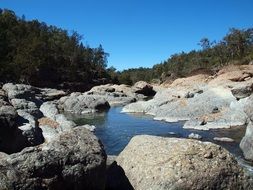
53 122
144 88
115 94
21 91
25 105
161 163
73 160
206 108
82 103
49 94
30 128
49 109
13 137
8 116
242 90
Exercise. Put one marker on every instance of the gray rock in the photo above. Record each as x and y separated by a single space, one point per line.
189 95
13 137
30 129
170 163
52 127
73 160
115 176
223 139
247 141
115 94
49 94
242 90
64 123
49 132
49 109
25 105
20 91
91 128
194 136
81 103
167 106
144 88
8 116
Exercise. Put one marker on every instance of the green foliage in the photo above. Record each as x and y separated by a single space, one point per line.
235 47
132 76
35 53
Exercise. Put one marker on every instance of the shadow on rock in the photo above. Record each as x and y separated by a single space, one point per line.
116 178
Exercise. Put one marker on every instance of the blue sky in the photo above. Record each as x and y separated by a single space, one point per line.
140 32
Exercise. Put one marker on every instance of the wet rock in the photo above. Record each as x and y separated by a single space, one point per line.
73 160
223 139
194 136
170 163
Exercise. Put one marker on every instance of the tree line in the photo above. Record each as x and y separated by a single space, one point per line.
235 48
35 53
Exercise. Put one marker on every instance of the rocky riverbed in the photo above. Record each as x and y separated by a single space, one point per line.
40 148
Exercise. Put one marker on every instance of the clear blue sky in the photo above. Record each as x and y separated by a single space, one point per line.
140 32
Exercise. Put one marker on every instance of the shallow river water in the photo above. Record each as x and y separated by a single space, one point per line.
115 130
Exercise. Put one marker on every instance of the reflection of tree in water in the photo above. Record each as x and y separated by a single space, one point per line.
98 118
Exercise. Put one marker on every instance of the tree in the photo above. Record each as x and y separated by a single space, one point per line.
205 43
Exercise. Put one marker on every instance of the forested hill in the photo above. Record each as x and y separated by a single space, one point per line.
235 48
34 53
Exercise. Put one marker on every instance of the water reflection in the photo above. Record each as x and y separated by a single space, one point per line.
115 130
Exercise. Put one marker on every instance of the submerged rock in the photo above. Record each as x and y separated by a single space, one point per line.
73 160
194 136
223 139
170 163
